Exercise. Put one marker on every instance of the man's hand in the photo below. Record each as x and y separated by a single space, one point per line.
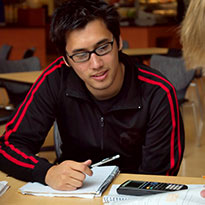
69 175
203 193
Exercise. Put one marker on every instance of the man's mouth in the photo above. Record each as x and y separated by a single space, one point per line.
100 76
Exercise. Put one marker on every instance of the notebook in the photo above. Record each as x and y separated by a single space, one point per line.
114 196
93 186
3 187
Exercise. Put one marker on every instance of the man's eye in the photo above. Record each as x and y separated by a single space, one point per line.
103 48
81 55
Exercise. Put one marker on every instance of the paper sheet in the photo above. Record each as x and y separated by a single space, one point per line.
185 197
3 187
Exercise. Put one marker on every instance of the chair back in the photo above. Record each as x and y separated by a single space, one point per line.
5 51
57 141
17 91
173 68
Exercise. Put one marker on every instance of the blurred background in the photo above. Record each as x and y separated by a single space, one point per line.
158 17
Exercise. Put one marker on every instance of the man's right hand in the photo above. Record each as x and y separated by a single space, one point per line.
68 175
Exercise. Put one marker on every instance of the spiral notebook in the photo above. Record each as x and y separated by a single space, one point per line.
113 196
93 186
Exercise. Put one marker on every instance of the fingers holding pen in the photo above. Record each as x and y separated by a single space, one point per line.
69 175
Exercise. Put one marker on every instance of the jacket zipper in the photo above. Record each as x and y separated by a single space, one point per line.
102 126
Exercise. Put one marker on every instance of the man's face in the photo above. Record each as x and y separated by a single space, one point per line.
103 75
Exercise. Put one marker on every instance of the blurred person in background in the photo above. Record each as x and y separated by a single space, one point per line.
192 38
192 35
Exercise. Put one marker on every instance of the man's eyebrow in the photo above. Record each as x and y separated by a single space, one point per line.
85 49
79 50
102 41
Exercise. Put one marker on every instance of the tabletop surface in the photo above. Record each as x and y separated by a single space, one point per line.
145 51
23 77
13 197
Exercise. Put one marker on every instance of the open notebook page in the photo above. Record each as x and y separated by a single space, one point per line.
88 190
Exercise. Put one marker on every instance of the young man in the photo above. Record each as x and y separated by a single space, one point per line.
104 103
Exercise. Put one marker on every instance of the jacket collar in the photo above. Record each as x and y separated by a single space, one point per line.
128 98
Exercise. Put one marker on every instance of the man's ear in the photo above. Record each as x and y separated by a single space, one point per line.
120 43
66 61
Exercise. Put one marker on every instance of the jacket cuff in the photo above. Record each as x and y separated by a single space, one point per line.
40 170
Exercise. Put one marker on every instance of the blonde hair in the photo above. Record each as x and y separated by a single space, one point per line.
193 34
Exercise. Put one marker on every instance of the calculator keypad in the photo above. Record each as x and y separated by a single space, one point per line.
161 186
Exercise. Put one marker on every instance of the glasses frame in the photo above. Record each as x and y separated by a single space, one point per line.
93 51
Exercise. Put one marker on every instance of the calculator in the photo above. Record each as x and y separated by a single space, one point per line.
140 188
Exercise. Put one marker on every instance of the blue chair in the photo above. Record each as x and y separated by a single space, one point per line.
173 68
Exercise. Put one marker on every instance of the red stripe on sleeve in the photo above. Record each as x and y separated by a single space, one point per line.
12 159
26 102
21 153
178 125
172 158
44 73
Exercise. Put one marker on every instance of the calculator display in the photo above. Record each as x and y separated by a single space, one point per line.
133 184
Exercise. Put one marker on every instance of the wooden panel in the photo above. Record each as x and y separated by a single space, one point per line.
23 38
153 36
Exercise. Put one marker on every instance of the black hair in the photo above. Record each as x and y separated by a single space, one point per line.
76 14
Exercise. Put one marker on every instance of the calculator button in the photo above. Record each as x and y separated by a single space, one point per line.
160 187
179 187
168 186
157 186
174 187
171 187
144 185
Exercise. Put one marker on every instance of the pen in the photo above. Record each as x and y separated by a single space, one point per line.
106 160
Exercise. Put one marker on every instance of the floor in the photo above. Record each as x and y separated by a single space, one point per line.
193 163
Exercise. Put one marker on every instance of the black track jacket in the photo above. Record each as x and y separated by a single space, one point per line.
142 123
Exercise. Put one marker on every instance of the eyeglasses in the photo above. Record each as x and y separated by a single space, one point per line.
99 51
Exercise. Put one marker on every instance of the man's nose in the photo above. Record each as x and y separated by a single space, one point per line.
96 61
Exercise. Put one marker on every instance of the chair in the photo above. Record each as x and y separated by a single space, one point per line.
17 91
29 52
5 108
125 44
174 69
199 71
5 51
57 142
5 111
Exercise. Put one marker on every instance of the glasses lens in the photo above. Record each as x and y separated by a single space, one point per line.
104 49
100 51
81 57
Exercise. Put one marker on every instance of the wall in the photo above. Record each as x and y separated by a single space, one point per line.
153 36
